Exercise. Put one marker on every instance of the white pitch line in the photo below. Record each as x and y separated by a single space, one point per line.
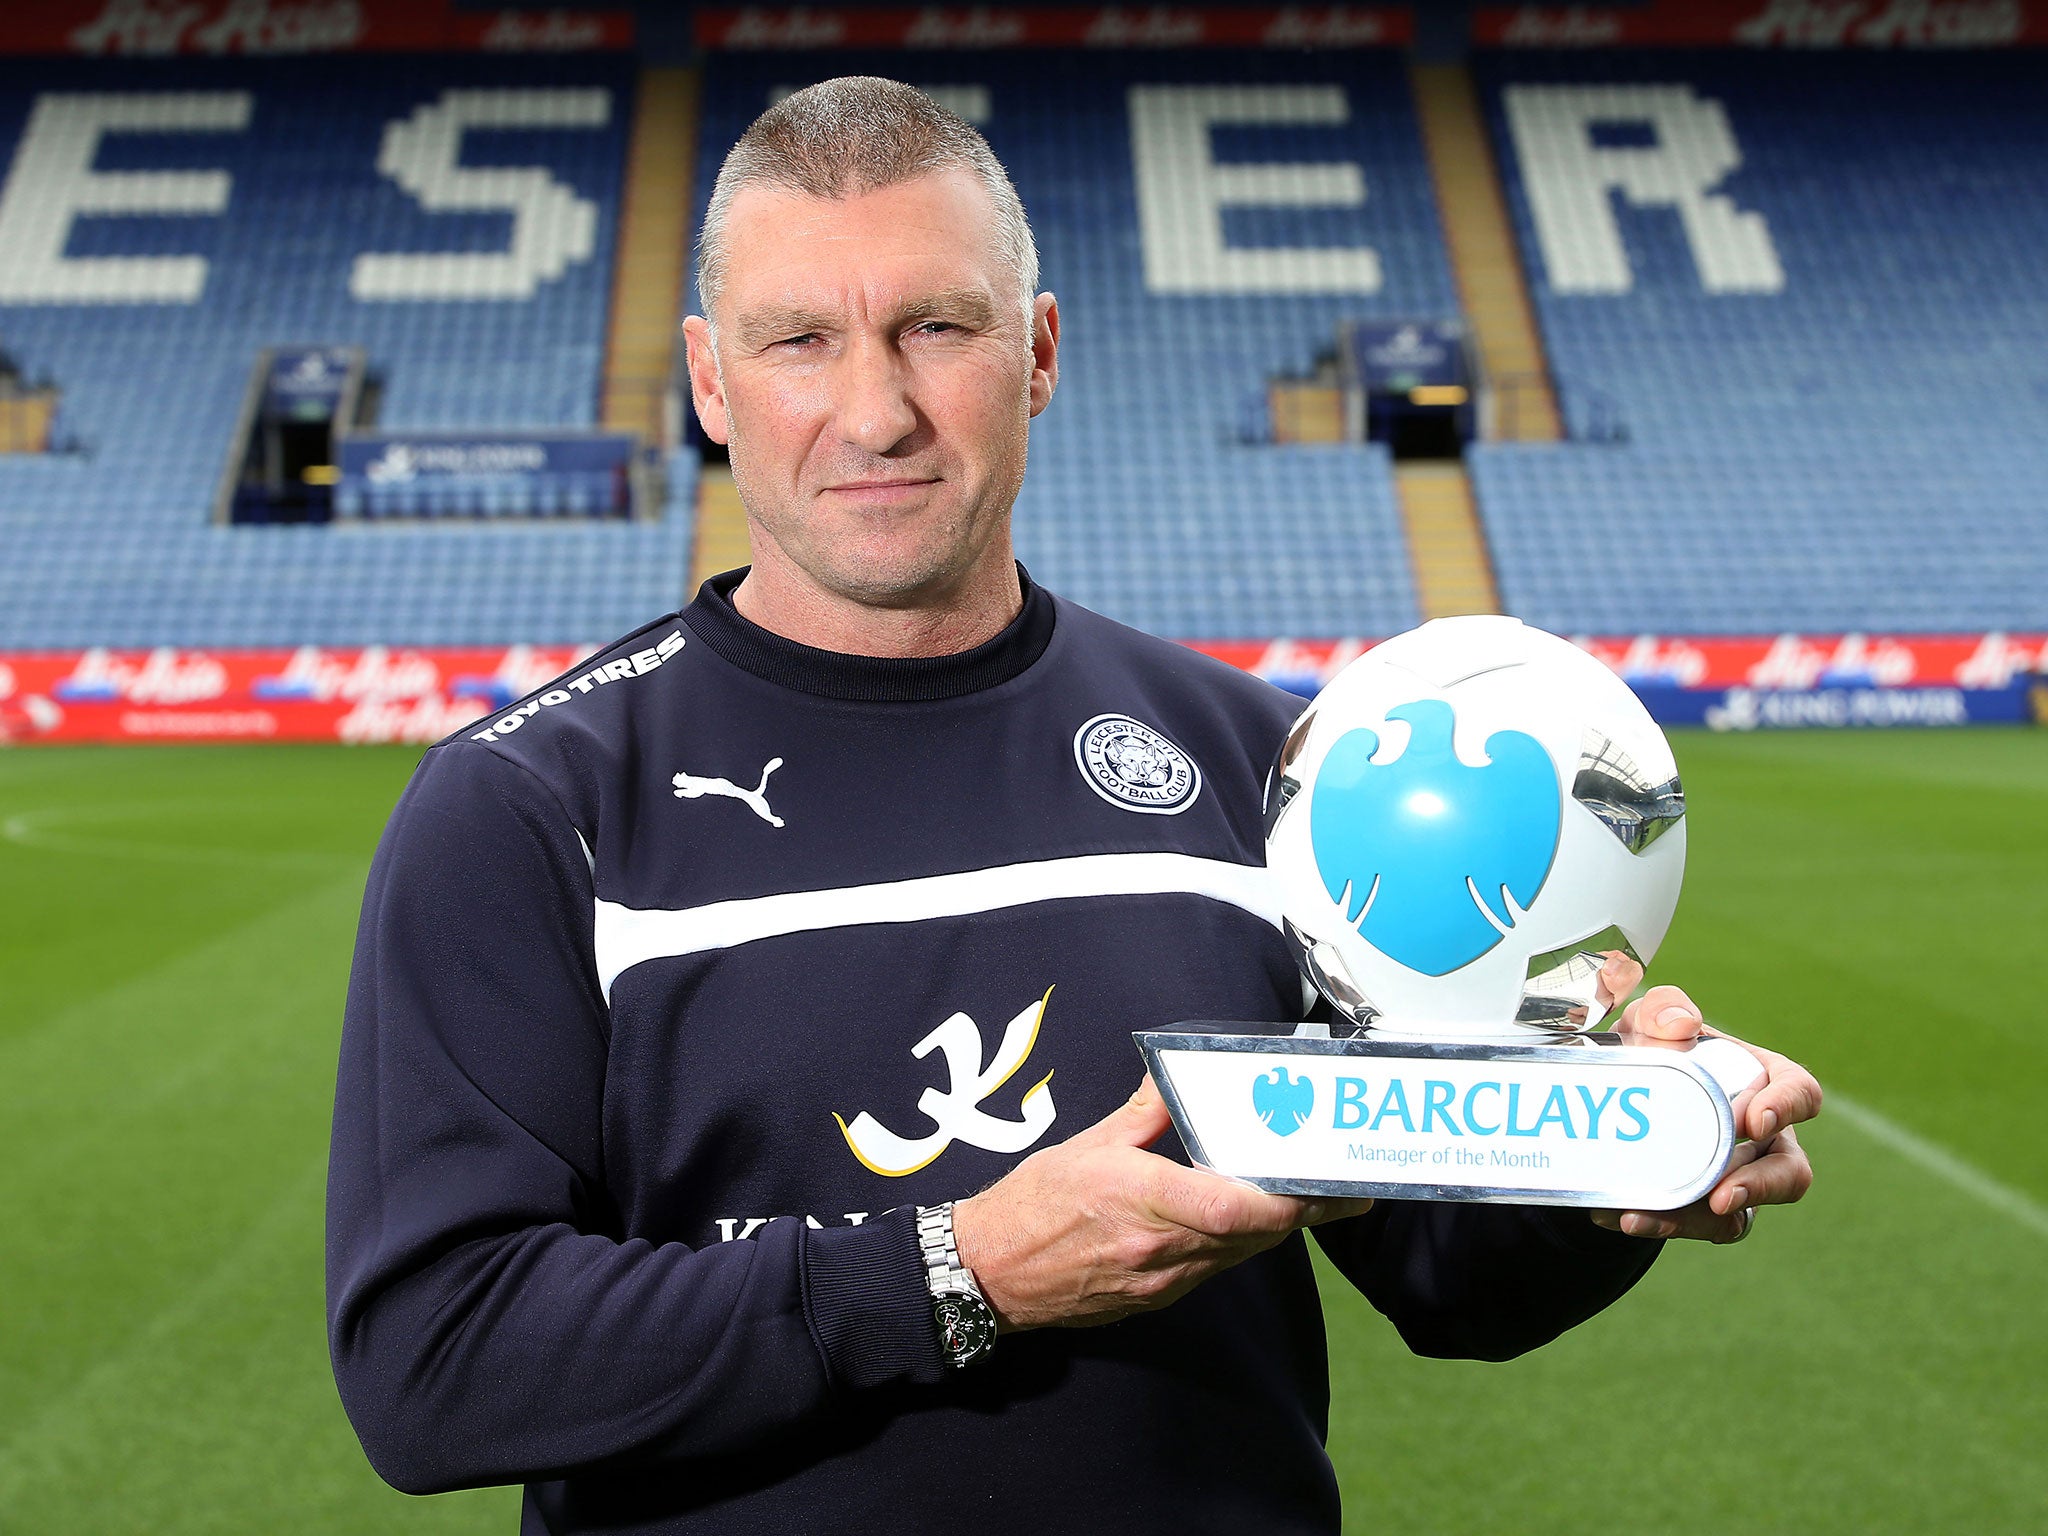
30 829
1931 1157
1941 1162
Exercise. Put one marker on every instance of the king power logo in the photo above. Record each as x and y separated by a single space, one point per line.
956 1113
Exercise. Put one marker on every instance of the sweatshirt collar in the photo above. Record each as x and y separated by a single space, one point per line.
869 679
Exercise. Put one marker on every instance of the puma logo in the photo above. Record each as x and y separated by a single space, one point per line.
690 787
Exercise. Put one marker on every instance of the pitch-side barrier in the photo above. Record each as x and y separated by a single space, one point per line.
422 693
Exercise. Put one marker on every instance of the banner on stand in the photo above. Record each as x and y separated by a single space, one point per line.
420 694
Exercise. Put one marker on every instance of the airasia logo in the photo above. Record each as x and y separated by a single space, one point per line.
1763 24
372 673
240 26
1887 24
1647 659
1793 662
164 676
544 32
978 27
755 27
1999 660
1319 27
1152 27
1572 28
379 675
418 720
525 667
1303 663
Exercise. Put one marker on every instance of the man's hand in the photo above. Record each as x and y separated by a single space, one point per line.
1097 1228
1769 1167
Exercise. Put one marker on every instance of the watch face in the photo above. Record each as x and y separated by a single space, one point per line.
967 1325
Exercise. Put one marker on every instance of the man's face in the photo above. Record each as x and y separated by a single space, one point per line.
874 383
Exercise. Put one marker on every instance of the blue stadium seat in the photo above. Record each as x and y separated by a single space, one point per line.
115 547
1141 499
1860 446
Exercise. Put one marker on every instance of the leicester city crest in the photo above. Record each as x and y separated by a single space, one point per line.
1131 765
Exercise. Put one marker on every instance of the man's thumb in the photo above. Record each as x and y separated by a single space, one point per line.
1137 1122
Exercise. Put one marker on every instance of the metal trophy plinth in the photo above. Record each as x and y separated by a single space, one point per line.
1586 1121
1475 835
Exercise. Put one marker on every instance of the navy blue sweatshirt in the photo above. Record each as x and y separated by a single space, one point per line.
681 982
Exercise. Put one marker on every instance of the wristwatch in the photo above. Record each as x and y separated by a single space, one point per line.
966 1322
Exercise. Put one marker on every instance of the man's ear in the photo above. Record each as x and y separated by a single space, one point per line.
707 390
1045 350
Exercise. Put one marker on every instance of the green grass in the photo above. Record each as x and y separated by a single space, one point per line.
1875 1359
174 933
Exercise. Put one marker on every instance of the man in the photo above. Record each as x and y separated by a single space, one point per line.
737 1007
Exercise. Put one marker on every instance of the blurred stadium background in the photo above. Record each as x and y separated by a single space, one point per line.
340 407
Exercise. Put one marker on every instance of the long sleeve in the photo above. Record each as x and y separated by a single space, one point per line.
488 1323
1484 1282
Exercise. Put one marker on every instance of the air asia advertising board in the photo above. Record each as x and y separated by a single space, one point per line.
1767 24
274 27
313 693
166 27
1002 26
1709 663
420 694
1650 24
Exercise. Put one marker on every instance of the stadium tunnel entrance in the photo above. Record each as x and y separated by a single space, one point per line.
1409 384
299 400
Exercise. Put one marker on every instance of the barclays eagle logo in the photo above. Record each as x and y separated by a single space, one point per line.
1282 1102
1429 848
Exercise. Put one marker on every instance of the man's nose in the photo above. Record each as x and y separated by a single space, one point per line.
875 412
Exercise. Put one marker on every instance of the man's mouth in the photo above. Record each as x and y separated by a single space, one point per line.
894 489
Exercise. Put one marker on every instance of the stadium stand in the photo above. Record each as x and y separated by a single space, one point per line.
293 212
1142 500
1795 291
1817 300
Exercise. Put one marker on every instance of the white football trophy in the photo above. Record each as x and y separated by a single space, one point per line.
1465 822
1462 827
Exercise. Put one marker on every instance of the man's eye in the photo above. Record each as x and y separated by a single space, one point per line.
797 341
935 326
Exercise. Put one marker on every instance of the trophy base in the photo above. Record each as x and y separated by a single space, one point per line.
1579 1120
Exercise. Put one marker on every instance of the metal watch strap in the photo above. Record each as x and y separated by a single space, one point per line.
965 1319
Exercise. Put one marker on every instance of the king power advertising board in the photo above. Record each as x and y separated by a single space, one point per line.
421 693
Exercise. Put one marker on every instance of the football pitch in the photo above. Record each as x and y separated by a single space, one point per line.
174 938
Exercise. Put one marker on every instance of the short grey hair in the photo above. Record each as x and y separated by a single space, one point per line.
860 133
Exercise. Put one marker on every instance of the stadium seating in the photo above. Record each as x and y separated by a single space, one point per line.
1141 499
113 546
1855 442
1825 359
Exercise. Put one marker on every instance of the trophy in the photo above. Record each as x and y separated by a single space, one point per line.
1461 828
